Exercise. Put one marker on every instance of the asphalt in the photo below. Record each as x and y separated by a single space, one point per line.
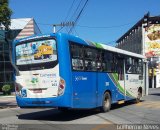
8 102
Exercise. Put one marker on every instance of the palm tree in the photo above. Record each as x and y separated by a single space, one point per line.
5 14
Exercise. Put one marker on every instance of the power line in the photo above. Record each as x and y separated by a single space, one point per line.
83 26
65 20
104 27
76 10
78 16
69 10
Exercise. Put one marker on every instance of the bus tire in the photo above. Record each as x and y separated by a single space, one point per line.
138 99
106 102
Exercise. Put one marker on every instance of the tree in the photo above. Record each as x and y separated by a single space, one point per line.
5 14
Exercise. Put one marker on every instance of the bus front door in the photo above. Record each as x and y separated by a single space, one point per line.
120 92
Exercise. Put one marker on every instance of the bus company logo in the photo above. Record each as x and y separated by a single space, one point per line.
80 78
34 80
48 75
133 80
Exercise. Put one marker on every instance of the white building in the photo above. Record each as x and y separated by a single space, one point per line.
24 27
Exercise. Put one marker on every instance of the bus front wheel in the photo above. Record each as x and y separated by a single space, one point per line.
138 99
106 103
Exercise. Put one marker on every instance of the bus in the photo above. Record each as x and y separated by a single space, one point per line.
78 74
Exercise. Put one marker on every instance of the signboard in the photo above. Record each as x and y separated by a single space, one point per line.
36 52
152 41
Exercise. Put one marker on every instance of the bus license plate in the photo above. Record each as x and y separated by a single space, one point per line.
37 91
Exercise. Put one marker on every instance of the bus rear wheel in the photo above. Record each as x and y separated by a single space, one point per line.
106 104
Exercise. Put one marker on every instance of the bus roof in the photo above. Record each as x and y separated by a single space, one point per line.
114 49
94 44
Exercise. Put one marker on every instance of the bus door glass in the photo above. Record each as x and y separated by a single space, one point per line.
120 73
134 76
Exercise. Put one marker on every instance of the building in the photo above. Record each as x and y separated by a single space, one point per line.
23 27
144 38
19 28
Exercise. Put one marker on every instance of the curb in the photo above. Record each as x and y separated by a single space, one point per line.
6 107
7 96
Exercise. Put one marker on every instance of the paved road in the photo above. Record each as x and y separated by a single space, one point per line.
7 102
145 112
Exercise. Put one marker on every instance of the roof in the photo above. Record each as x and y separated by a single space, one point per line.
19 23
151 19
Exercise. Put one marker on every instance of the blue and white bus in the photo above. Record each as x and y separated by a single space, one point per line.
64 71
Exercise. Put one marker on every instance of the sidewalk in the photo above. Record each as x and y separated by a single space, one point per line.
7 102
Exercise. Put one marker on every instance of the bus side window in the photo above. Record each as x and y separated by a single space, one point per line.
128 63
99 60
134 65
90 59
107 60
76 51
90 65
77 64
120 68
140 66
77 57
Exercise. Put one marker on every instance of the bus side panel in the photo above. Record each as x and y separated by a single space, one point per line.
107 82
84 89
65 69
132 85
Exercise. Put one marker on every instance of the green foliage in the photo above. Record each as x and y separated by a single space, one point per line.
5 14
6 88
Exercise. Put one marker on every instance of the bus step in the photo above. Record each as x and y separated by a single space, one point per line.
121 102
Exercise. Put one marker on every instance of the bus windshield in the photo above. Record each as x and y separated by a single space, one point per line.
36 55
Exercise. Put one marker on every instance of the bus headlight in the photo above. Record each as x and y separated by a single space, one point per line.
61 87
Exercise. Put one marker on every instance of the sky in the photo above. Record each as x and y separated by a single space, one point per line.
101 20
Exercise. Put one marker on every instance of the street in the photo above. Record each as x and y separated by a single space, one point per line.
145 112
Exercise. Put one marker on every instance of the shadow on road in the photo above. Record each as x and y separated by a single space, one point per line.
127 103
56 115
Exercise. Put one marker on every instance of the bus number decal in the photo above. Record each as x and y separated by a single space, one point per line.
106 83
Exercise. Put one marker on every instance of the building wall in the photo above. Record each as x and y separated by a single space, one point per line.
152 41
6 70
29 29
132 42
20 28
144 38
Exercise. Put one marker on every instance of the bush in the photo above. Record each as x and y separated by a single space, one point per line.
6 89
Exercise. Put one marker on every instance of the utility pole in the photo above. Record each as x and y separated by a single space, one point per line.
63 24
145 25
